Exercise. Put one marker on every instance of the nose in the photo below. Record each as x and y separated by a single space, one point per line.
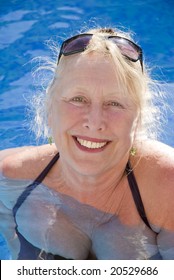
94 119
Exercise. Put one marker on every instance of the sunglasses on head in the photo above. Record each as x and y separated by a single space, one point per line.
78 43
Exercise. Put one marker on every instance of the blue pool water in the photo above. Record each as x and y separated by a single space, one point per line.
26 25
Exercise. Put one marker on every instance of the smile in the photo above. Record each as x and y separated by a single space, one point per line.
91 144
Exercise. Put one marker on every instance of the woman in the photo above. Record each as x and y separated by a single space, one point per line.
103 190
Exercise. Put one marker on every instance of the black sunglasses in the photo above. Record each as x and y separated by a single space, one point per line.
79 43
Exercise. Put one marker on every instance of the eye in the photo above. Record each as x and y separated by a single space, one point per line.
79 100
114 104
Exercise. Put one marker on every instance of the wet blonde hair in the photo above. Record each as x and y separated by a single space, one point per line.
138 84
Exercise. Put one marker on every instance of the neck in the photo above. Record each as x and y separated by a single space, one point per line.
91 188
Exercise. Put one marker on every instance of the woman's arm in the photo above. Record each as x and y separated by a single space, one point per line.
7 230
16 164
165 239
154 172
25 162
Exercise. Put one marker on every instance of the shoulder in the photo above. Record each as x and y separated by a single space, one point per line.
155 177
156 160
26 162
154 157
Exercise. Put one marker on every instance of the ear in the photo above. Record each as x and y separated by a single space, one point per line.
49 119
49 113
137 126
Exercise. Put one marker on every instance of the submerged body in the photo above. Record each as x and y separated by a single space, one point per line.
73 229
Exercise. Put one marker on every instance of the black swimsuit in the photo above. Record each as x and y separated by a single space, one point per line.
29 251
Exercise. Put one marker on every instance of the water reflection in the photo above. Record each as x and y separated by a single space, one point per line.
25 26
14 31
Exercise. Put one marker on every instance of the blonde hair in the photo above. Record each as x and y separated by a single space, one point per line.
142 89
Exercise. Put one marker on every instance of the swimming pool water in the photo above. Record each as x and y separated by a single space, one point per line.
26 25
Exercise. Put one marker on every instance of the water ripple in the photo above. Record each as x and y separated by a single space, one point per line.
14 31
14 16
72 9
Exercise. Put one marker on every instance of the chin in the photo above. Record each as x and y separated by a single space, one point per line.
86 167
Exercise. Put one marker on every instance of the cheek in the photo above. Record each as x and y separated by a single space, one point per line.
119 119
123 124
65 116
68 114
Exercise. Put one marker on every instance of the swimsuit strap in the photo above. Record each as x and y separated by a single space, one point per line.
33 185
27 250
131 179
136 194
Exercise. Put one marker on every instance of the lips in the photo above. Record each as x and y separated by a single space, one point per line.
88 144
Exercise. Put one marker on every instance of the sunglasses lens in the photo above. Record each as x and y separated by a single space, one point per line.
127 48
76 44
80 42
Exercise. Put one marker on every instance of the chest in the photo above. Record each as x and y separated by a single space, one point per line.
63 226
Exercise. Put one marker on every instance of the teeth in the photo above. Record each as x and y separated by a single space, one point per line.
91 145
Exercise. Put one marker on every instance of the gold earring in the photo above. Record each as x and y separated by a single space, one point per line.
133 151
50 140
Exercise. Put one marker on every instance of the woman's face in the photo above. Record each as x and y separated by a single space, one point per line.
93 122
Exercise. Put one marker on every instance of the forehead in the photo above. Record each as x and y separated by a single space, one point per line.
88 68
91 73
